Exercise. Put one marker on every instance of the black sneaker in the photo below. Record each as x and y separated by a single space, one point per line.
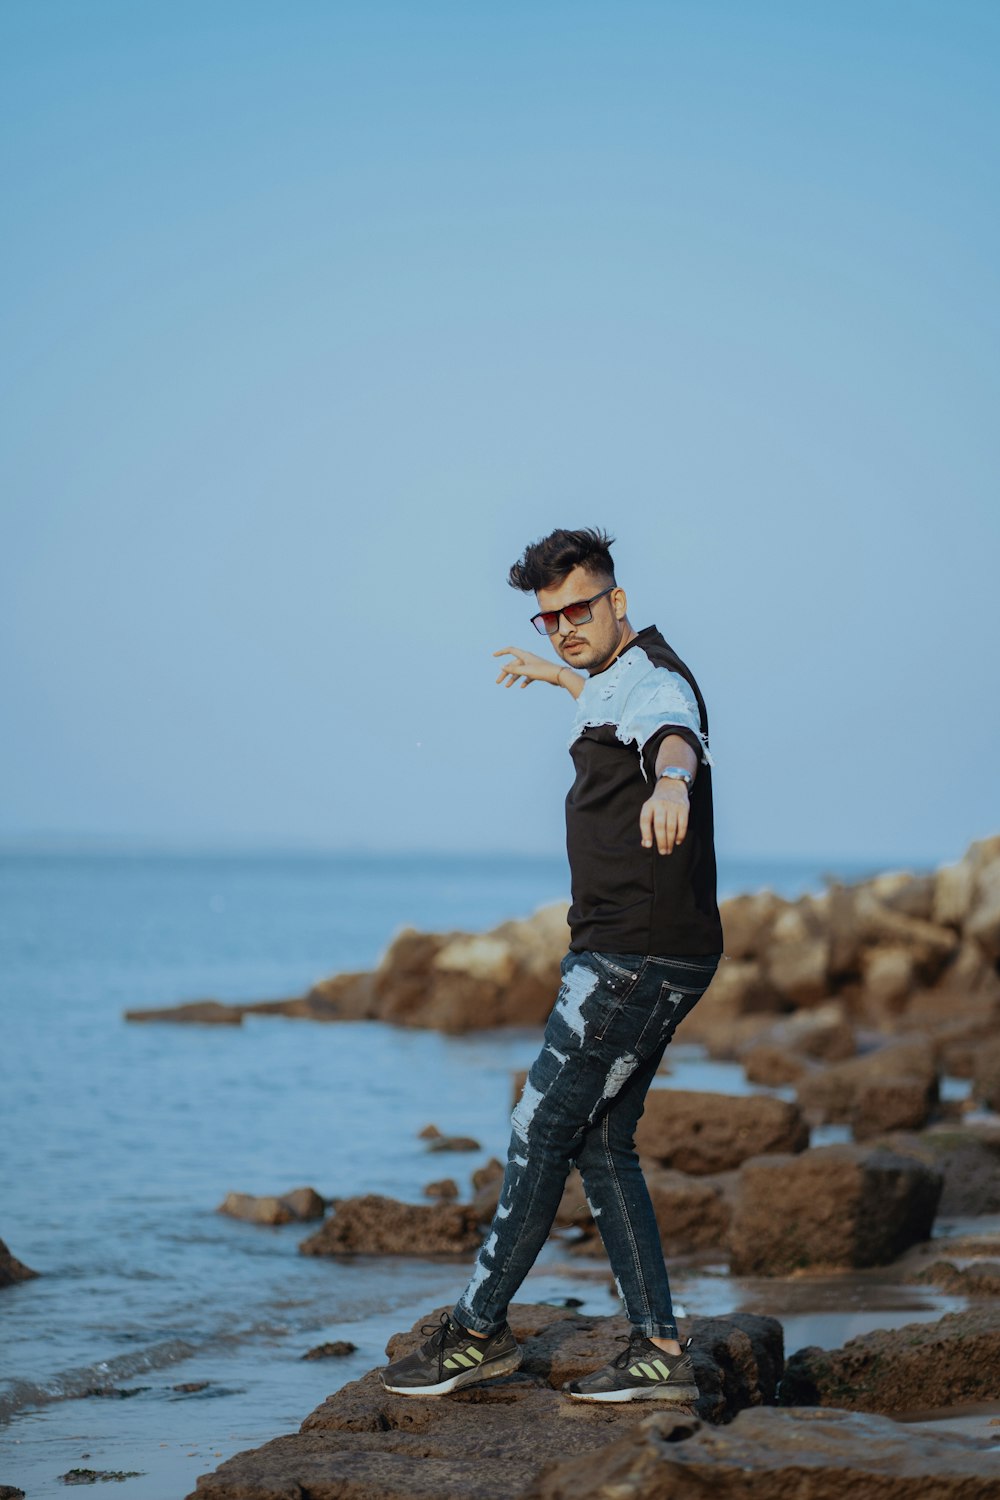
642 1372
452 1358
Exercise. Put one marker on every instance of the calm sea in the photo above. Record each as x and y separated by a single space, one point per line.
121 1140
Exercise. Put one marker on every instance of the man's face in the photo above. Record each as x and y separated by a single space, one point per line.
586 647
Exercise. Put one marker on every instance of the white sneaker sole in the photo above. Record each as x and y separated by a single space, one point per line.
478 1376
686 1393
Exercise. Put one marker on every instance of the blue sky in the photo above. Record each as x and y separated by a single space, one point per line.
316 314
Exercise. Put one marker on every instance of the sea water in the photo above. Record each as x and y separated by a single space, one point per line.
121 1140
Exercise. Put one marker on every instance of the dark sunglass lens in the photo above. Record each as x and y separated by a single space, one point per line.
578 614
546 624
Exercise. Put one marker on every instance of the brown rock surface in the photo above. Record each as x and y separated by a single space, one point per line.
374 1225
967 1156
705 1133
301 1204
919 1367
445 1188
831 1206
777 1455
488 1442
986 1074
893 1088
11 1269
772 1067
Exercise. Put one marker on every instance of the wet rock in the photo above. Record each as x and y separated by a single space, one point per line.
11 1269
776 1455
919 1367
894 1088
488 1442
337 1349
773 1067
968 1158
981 1280
98 1476
706 1133
445 1188
429 1133
374 1225
299 1205
986 1074
200 1012
453 1143
831 1206
10 1492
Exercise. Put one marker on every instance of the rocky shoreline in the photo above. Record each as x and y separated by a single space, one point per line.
851 1007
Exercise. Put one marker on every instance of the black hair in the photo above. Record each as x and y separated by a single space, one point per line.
547 561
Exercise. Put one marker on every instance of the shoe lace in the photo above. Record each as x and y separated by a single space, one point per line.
630 1340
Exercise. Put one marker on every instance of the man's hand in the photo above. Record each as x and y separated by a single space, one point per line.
664 816
529 666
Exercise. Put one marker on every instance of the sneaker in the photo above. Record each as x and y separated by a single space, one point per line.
642 1372
452 1358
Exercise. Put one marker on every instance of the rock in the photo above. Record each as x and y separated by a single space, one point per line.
889 975
968 1158
201 1012
797 969
983 921
893 1088
373 1225
10 1492
453 1143
919 1367
11 1269
491 1171
981 1280
338 1349
342 997
986 1074
747 922
831 1206
429 1133
444 1187
706 1133
488 1442
776 1455
822 1032
458 982
301 1204
773 1067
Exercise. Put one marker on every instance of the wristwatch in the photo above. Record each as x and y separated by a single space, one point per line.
676 773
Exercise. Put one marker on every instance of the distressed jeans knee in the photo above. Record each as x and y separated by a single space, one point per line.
582 1099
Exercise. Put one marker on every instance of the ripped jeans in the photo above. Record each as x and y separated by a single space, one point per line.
581 1103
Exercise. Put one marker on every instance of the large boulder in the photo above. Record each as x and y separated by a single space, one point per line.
832 1206
968 1158
919 1367
894 1088
461 982
374 1225
776 1455
13 1270
703 1133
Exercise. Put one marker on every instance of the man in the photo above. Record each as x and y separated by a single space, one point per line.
645 942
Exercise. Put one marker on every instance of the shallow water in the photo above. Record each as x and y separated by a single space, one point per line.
126 1137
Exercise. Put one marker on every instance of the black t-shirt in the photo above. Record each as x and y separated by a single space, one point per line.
627 899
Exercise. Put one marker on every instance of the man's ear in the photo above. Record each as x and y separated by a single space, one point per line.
619 603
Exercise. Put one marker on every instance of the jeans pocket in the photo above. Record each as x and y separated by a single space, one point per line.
621 974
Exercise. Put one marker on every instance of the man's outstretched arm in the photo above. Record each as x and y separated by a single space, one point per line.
664 815
538 669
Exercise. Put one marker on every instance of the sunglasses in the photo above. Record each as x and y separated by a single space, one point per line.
578 613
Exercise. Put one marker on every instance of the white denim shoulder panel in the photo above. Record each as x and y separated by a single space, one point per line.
638 698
